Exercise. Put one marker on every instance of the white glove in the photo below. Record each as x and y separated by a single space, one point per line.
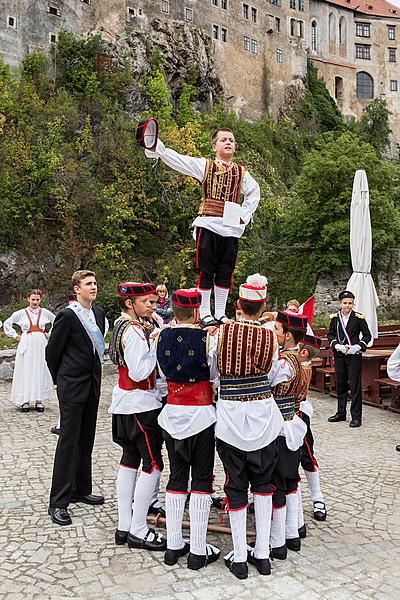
354 349
340 348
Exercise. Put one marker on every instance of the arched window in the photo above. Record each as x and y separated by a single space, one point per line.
313 35
332 27
365 86
292 27
342 30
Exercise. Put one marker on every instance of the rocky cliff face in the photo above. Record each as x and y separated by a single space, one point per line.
181 48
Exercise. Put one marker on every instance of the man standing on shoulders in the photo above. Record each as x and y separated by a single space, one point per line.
348 336
74 356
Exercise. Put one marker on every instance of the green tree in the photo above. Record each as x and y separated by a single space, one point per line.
373 126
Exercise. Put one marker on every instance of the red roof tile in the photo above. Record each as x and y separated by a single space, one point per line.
377 8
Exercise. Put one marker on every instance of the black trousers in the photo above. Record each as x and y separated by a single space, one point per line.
308 460
196 453
140 438
348 372
215 259
285 476
243 468
72 471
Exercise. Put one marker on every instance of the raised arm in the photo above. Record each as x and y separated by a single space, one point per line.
187 165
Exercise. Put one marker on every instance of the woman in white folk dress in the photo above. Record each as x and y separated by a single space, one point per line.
32 383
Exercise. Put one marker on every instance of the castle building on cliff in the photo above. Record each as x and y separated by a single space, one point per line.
260 47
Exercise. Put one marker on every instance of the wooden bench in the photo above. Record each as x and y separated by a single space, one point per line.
394 387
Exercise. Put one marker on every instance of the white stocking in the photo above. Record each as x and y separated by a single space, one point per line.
292 515
205 308
220 297
144 491
126 481
174 507
199 511
315 489
238 525
300 514
155 501
278 527
262 511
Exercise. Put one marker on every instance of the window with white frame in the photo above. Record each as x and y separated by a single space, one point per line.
53 10
189 14
392 55
215 32
277 24
363 30
279 55
254 46
301 29
224 34
393 85
246 11
165 6
292 4
292 27
246 43
254 14
224 4
301 6
363 51
214 2
392 32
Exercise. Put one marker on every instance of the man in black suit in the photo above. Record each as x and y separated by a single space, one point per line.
348 337
74 355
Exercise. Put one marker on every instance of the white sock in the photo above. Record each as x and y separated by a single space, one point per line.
126 481
300 514
262 511
174 507
278 527
205 308
315 489
199 511
220 297
155 501
238 526
58 424
292 515
144 491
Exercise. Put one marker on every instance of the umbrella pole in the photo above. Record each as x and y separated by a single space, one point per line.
159 521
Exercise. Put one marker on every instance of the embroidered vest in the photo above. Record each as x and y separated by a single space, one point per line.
116 351
182 354
287 394
220 185
244 349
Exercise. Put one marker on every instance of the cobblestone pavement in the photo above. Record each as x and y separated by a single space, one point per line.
354 554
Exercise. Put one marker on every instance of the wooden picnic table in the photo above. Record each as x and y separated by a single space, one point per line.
372 360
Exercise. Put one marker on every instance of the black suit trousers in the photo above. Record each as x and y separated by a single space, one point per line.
72 472
348 373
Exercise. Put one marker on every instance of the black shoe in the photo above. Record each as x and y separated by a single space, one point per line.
25 407
39 407
319 510
208 321
171 556
262 565
55 430
222 320
280 553
158 543
398 447
60 516
302 532
293 544
156 510
121 537
198 561
355 423
88 499
337 417
238 569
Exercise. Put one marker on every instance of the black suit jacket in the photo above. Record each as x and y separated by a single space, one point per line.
355 325
73 365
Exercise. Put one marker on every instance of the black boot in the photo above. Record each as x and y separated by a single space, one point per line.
337 417
293 544
302 532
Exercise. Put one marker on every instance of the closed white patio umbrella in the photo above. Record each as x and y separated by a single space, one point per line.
361 282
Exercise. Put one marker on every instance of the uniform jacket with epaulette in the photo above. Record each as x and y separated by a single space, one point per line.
357 329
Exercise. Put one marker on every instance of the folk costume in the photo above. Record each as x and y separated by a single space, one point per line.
248 423
135 407
348 336
308 460
285 478
186 357
74 356
217 236
31 380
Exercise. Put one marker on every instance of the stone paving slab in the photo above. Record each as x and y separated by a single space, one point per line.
355 554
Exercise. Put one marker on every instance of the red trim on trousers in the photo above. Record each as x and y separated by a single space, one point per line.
127 467
175 492
313 459
197 492
290 493
153 462
236 509
223 287
261 494
197 248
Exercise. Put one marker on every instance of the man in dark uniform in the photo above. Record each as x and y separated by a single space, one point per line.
348 336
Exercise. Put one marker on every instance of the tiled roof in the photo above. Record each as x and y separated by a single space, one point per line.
377 8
